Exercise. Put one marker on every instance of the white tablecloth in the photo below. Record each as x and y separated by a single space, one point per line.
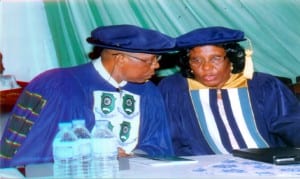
207 166
210 166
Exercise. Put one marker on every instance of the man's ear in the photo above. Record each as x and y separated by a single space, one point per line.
120 60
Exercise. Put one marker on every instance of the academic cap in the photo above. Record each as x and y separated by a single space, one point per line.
131 38
216 35
209 36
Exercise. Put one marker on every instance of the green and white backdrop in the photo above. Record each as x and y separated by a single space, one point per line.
37 35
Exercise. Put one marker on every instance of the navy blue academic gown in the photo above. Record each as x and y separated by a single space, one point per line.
66 94
272 117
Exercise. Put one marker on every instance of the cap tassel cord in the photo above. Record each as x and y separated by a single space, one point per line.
249 69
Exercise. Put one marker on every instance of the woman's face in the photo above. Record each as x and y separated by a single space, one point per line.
210 65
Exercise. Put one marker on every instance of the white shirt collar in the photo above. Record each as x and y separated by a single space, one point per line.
103 72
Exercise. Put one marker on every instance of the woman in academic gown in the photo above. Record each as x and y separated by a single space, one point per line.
216 104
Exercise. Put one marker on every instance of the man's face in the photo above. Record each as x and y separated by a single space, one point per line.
139 67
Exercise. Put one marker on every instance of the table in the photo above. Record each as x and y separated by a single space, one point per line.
207 166
211 166
9 97
7 173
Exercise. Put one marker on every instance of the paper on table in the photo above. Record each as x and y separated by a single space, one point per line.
236 166
162 160
10 173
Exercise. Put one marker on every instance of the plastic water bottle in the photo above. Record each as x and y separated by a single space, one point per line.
84 147
105 152
65 152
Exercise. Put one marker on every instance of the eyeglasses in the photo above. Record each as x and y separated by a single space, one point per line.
148 62
215 60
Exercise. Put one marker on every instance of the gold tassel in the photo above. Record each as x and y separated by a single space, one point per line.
248 69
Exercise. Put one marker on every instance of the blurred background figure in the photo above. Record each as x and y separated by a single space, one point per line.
6 81
9 92
1 64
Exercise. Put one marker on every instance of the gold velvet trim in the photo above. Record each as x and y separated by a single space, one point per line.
235 81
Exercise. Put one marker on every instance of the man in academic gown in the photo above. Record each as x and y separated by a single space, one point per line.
113 87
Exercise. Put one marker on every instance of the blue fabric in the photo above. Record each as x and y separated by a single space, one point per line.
230 115
131 38
204 128
209 35
275 107
65 94
215 126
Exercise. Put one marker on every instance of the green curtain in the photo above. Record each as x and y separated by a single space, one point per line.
271 25
66 32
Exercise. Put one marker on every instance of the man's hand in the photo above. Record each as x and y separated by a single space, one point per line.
122 153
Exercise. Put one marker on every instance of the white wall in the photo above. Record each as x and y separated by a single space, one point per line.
25 40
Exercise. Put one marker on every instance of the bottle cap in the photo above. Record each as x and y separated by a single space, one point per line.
62 125
78 121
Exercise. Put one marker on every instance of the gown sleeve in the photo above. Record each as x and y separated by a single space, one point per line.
277 110
154 136
187 138
51 97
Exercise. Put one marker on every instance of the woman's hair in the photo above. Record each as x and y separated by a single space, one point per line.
234 51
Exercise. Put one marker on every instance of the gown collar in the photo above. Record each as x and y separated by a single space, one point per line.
104 74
